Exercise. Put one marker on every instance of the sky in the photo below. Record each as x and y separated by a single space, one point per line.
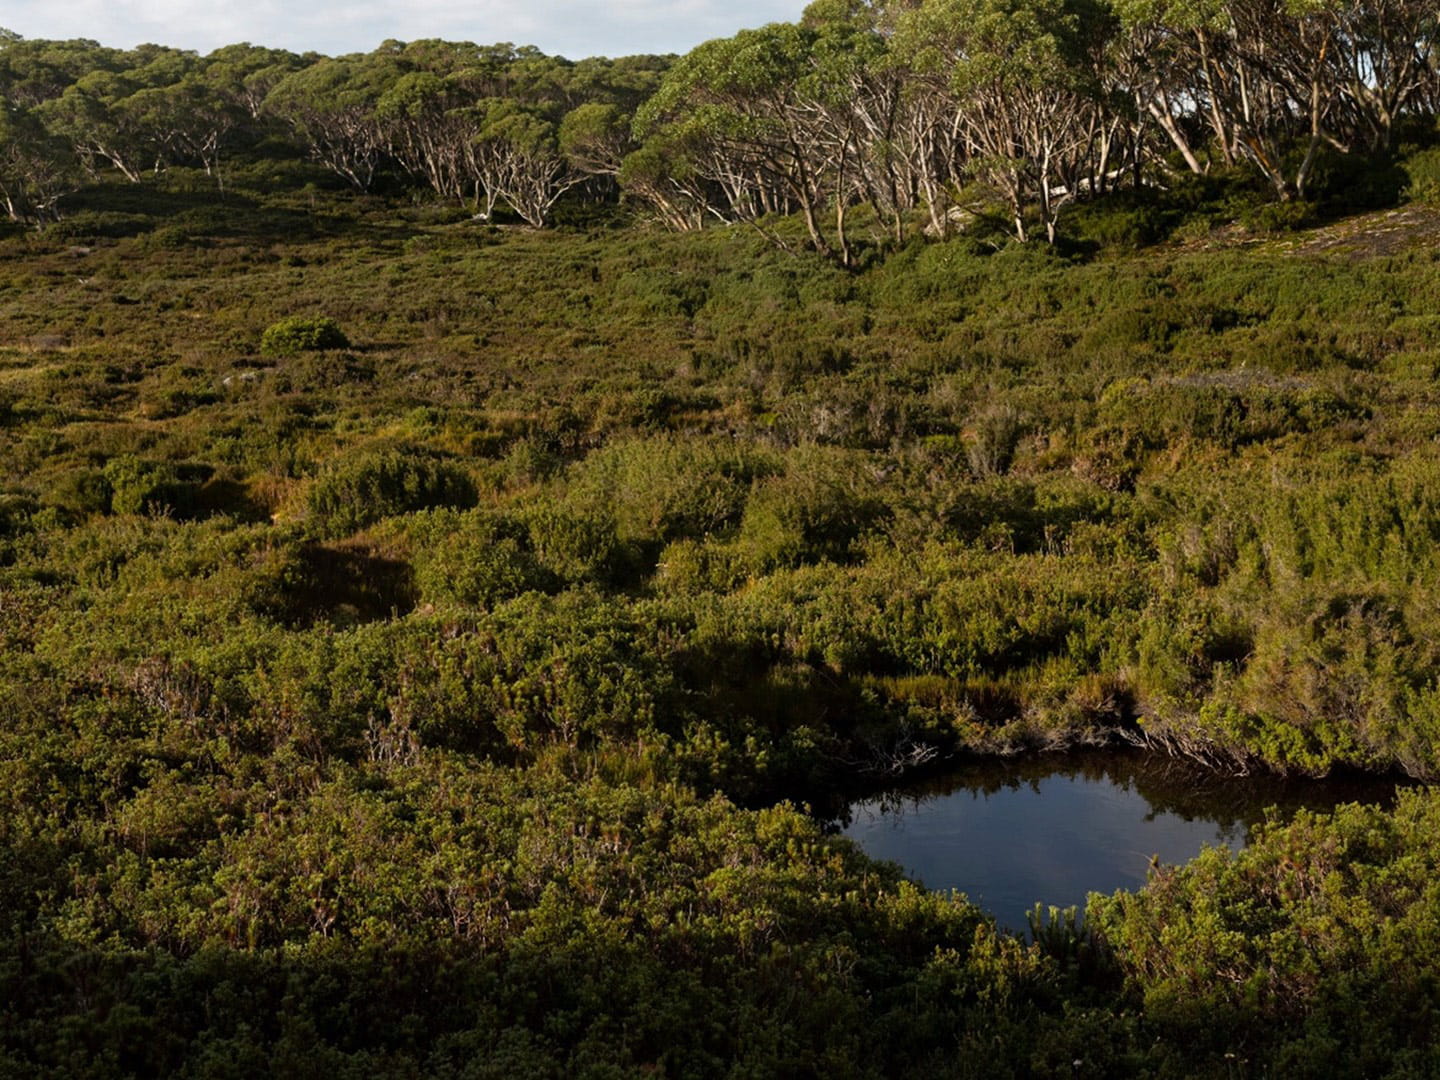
571 28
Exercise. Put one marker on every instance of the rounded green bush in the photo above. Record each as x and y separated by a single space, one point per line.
362 489
477 559
143 487
83 492
302 333
1422 171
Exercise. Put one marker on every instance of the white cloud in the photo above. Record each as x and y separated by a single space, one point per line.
568 27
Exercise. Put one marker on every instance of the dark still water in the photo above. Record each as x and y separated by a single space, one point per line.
1052 829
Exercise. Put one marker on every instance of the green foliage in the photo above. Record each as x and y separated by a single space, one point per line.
302 333
1422 171
1273 218
1267 954
438 709
581 545
475 559
1120 223
663 489
368 486
812 513
95 224
144 487
83 491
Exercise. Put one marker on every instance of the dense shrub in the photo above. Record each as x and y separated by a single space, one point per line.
1270 953
302 333
90 224
1422 171
370 485
144 487
82 491
810 514
477 559
288 786
665 488
1283 217
1119 222
581 545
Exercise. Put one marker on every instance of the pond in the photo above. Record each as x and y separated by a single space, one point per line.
1012 832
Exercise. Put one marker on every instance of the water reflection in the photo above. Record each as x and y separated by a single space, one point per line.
1052 829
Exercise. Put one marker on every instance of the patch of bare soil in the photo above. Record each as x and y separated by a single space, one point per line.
1365 236
1385 232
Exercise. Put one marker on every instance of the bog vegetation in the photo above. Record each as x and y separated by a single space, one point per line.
444 587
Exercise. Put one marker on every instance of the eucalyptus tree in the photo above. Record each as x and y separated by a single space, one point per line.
428 127
187 120
663 174
1021 94
245 74
541 81
36 167
705 106
595 138
431 109
1140 68
92 116
929 137
1386 62
762 114
1121 140
518 157
32 72
503 123
860 100
1284 50
625 81
332 105
1259 73
149 66
597 134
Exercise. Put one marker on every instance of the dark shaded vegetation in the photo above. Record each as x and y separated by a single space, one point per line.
438 684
